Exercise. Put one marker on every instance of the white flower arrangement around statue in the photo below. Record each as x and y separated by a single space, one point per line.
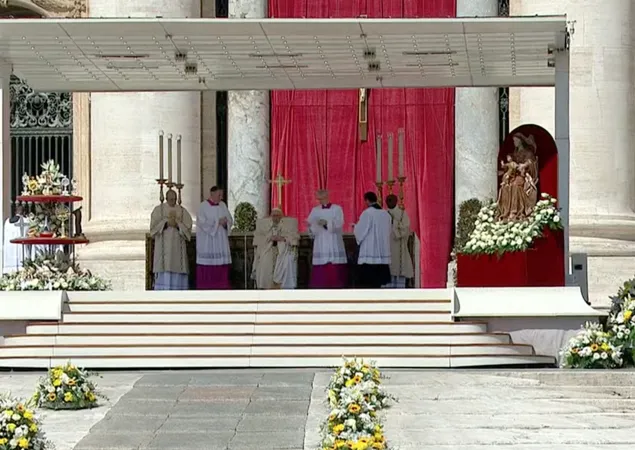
67 387
355 397
52 273
20 427
492 236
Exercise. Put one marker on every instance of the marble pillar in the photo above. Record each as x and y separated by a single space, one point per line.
602 186
248 154
476 140
124 157
5 153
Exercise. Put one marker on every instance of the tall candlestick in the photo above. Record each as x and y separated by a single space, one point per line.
178 159
169 158
401 136
390 156
161 155
378 157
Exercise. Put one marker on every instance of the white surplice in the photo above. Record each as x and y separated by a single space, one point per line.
276 266
328 246
212 239
401 265
373 234
14 254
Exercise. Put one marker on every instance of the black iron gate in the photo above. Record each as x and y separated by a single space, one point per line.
41 130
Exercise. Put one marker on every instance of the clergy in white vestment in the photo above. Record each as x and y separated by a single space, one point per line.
326 222
14 228
276 252
171 229
213 258
401 261
372 232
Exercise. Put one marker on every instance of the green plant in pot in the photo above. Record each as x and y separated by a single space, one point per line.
468 213
245 217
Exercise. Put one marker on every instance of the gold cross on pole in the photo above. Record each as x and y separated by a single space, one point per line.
279 181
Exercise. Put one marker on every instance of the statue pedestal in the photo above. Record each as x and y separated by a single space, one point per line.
242 250
540 266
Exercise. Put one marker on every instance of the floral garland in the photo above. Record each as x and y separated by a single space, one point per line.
491 235
20 427
52 273
355 397
67 387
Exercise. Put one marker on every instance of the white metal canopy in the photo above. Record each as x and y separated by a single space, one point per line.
269 54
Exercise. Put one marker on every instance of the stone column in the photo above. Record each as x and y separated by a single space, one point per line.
124 157
248 155
602 187
476 140
5 154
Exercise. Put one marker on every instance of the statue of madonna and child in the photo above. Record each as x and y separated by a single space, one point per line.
518 192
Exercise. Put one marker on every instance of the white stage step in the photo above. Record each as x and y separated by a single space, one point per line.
398 328
262 339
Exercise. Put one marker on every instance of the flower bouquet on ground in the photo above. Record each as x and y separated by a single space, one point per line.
50 272
492 235
67 387
592 348
621 324
20 426
354 398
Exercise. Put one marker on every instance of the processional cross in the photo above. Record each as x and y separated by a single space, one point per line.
279 181
363 114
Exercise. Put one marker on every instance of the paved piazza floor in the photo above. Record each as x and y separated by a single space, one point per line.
281 409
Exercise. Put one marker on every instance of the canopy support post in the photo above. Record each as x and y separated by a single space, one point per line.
5 151
562 143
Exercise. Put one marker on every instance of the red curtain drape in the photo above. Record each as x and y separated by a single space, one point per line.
315 140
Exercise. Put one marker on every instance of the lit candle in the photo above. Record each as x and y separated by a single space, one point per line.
161 155
178 159
169 158
378 156
402 172
390 161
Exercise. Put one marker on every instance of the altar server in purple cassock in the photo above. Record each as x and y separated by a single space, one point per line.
213 258
326 222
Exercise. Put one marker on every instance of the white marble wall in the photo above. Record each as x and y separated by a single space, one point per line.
248 154
124 157
476 140
602 114
5 155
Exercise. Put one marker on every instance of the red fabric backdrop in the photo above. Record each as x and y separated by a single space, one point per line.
315 141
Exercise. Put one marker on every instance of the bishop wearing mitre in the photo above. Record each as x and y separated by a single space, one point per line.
276 242
401 261
171 228
213 257
330 265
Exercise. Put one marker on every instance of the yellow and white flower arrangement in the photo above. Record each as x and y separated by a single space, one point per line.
48 182
491 235
20 427
592 348
355 397
67 387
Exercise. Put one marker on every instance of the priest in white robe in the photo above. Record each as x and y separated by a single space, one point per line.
401 268
14 254
276 252
330 266
213 257
171 228
372 232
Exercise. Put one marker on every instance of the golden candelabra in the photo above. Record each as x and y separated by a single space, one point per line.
402 203
390 184
161 182
380 191
179 188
